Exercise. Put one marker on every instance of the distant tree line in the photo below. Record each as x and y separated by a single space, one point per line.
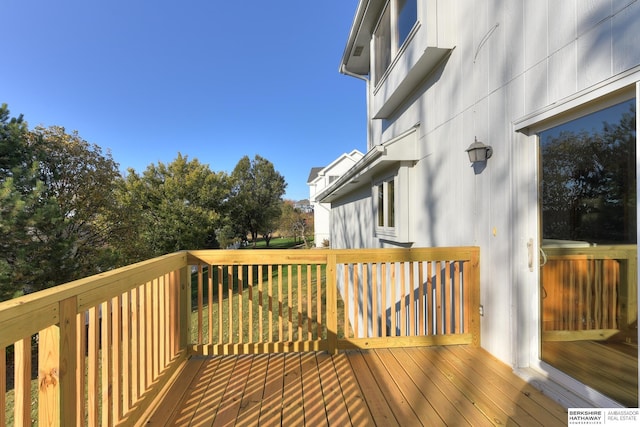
66 212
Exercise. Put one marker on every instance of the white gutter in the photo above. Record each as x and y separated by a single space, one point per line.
352 174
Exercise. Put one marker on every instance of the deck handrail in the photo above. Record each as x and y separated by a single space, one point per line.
109 345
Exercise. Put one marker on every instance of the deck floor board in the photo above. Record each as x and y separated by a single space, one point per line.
455 385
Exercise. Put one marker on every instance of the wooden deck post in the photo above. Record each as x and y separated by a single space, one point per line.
57 369
332 305
473 307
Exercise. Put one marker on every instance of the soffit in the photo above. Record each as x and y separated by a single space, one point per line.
402 148
355 58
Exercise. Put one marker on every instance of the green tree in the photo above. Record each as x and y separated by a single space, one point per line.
296 223
19 199
56 196
174 206
75 235
256 197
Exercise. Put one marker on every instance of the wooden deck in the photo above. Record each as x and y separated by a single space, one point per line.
453 385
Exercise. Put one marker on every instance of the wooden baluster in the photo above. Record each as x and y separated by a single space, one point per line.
309 306
365 300
241 313
345 285
430 303
383 299
374 299
392 286
319 325
421 301
280 306
290 303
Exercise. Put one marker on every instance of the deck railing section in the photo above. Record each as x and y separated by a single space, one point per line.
107 346
259 301
277 301
589 292
95 351
408 297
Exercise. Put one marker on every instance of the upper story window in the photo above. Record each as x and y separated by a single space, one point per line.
407 17
395 25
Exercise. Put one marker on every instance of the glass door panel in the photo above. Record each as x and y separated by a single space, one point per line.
589 267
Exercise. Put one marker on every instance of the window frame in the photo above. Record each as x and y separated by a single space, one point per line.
389 223
384 210
389 21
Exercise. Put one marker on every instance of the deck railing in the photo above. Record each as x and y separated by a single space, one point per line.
589 292
108 346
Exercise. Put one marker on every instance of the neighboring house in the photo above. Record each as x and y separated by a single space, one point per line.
303 206
319 179
552 88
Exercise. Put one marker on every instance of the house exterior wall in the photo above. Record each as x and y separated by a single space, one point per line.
352 221
511 66
322 211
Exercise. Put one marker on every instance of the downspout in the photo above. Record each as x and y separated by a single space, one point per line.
343 70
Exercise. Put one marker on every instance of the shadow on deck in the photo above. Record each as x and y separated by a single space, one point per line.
452 385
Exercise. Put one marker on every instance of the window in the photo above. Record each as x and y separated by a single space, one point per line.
407 17
382 42
380 205
397 20
386 204
390 204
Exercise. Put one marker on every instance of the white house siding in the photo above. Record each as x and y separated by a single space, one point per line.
352 221
509 60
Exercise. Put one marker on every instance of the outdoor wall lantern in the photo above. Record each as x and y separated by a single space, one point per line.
478 152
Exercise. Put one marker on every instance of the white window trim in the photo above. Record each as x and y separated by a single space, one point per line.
385 230
400 176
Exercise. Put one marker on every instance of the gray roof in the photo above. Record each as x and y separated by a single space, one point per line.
314 173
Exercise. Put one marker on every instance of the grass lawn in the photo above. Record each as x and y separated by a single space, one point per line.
278 243
290 291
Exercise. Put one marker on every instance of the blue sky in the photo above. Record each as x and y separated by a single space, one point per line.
212 80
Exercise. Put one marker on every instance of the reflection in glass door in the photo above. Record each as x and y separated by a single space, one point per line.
589 265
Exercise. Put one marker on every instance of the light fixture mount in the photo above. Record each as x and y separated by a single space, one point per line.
479 152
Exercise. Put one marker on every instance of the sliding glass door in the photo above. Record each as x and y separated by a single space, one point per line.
588 283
